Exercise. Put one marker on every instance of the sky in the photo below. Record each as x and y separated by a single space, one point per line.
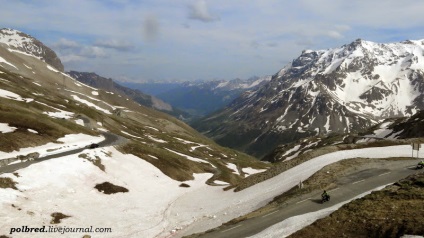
160 40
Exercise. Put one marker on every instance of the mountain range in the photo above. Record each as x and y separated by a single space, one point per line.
341 90
199 98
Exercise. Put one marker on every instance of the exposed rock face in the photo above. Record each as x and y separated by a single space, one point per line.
20 41
337 90
109 188
30 156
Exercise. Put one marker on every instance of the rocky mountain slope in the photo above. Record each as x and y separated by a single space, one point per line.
16 40
397 128
339 90
388 132
107 84
200 98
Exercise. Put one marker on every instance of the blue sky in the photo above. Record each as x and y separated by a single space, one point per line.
204 39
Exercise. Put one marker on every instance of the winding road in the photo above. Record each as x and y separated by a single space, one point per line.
110 140
347 188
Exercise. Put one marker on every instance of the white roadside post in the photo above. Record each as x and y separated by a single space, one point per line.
415 146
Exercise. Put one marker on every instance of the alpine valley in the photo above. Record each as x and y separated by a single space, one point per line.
100 160
340 90
199 98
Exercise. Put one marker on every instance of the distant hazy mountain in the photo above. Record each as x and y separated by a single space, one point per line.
200 98
153 88
338 90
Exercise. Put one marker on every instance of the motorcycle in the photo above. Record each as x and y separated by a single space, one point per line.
325 198
419 166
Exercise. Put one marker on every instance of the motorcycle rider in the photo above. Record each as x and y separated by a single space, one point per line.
324 195
421 164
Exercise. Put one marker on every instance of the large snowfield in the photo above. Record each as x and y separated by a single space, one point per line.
155 206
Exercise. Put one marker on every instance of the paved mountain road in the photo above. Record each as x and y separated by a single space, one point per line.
110 140
348 187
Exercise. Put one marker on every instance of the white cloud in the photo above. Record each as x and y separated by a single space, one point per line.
81 54
199 11
93 52
342 27
71 58
120 45
66 44
334 34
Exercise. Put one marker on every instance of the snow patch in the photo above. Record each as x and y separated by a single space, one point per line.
79 122
5 128
52 69
151 128
90 104
13 96
190 157
156 139
60 114
219 182
126 133
2 60
33 131
249 171
234 168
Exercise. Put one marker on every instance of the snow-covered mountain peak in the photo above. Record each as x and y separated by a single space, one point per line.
23 43
14 38
381 53
242 84
342 89
363 72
